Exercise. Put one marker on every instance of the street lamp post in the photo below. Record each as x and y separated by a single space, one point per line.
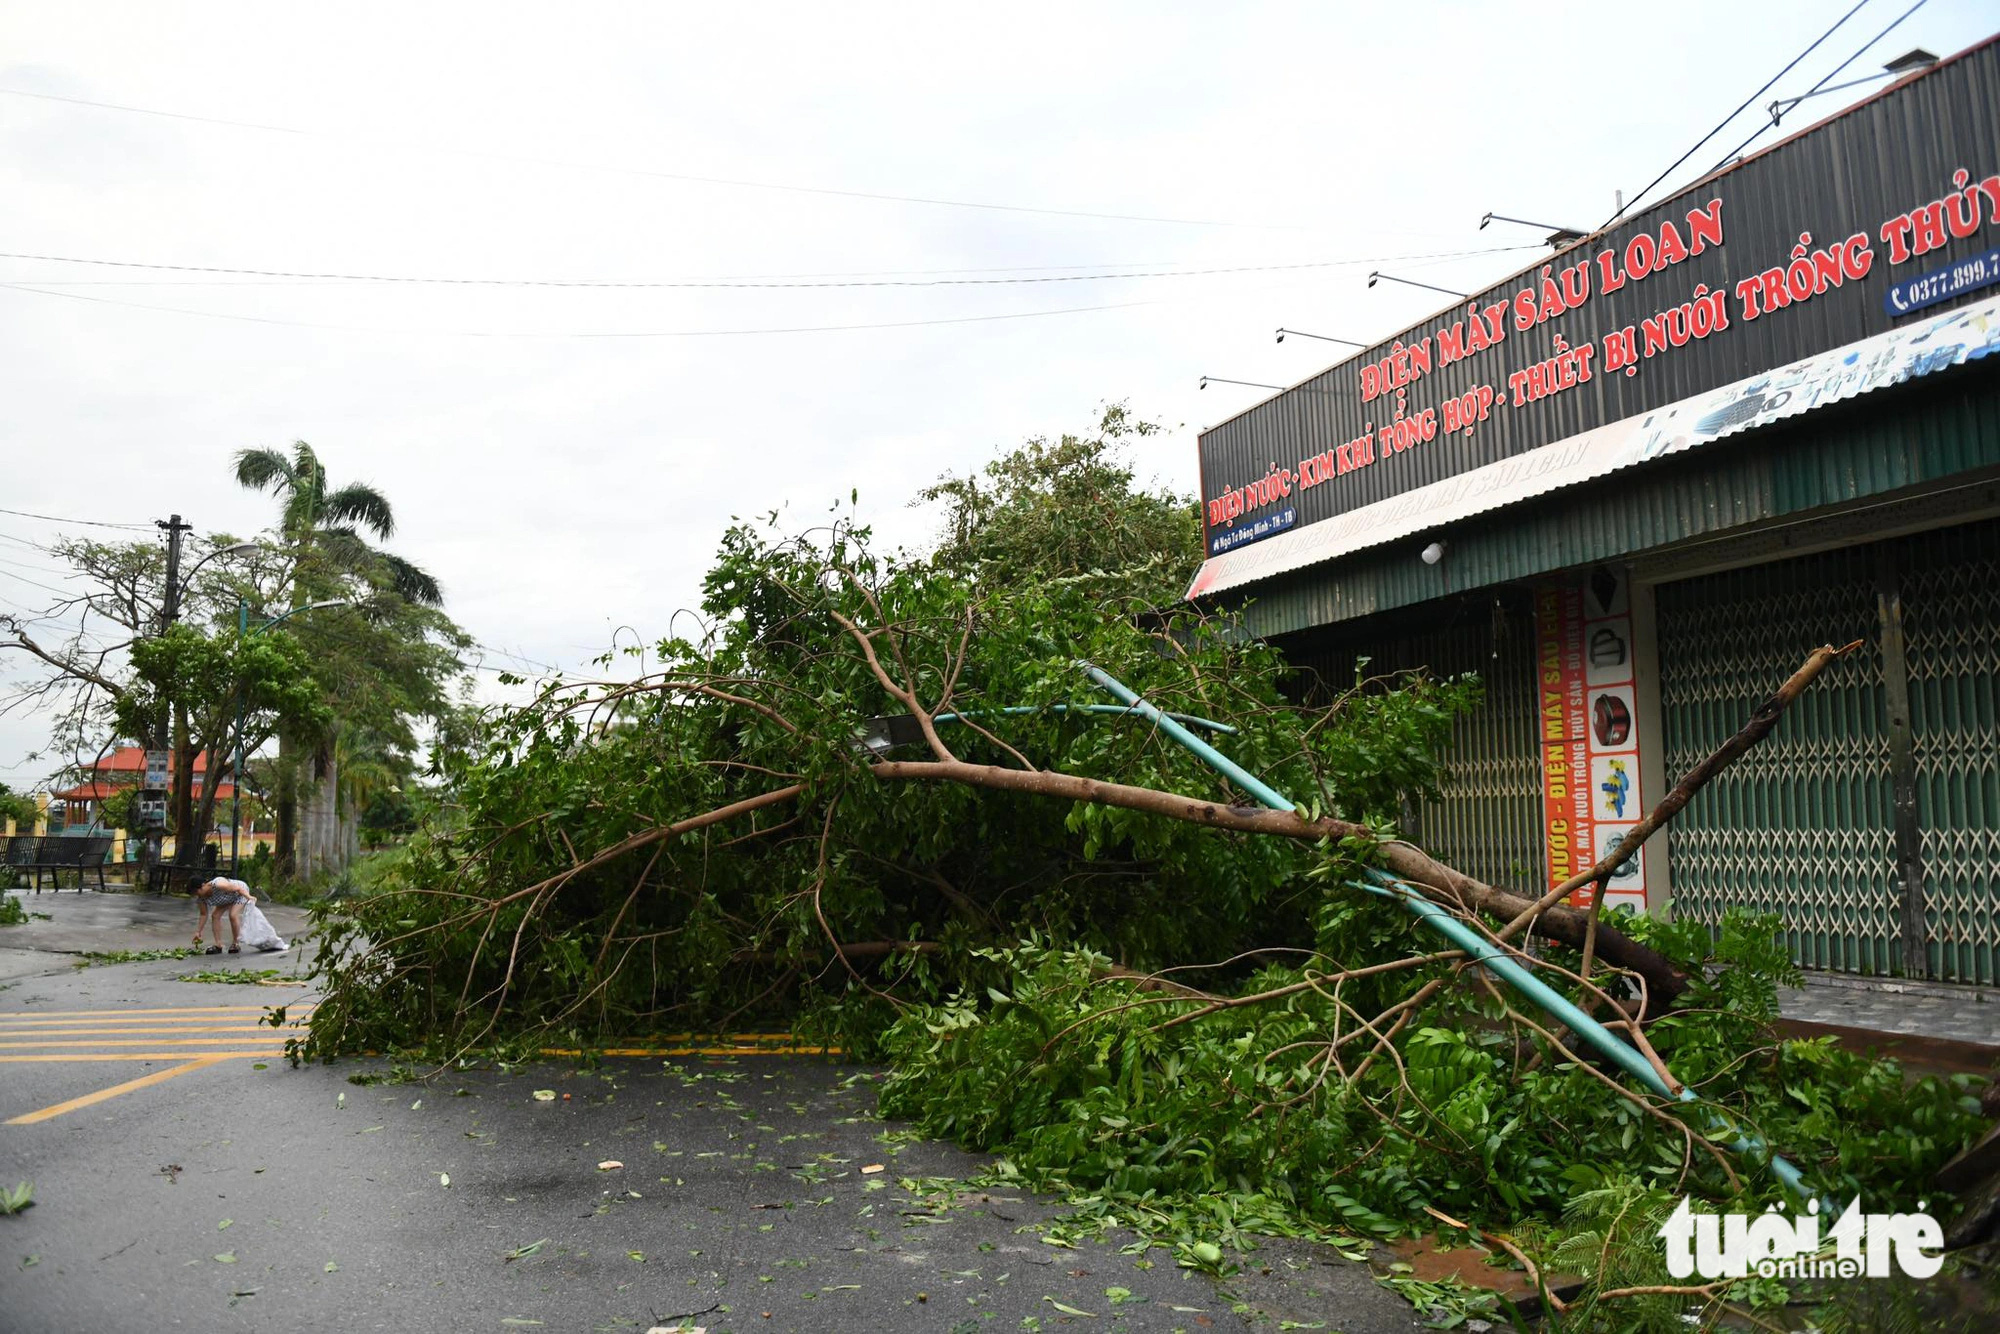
243 632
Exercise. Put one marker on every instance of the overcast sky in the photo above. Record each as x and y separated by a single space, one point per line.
564 459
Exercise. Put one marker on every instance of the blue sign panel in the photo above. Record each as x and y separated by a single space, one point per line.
1927 289
1256 529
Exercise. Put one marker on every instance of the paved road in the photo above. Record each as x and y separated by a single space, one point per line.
217 1189
65 925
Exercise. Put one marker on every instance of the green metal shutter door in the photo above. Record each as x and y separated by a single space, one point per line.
1951 618
1489 823
1802 825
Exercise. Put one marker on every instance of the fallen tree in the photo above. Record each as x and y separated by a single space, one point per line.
763 717
1081 946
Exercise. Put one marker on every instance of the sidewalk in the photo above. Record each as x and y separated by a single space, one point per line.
1926 1024
105 923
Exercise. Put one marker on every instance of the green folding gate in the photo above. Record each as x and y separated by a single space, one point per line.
1951 613
1808 824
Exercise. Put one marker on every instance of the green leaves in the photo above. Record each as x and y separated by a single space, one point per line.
1086 1086
207 674
919 874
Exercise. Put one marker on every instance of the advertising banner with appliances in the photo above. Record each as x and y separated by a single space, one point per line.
1589 721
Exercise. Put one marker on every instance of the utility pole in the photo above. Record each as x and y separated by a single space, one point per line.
170 607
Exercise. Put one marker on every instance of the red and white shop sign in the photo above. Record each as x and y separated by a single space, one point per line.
1589 721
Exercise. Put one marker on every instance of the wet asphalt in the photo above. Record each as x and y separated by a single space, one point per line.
250 1196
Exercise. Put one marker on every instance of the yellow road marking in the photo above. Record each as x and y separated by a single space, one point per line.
130 1085
698 1051
67 1031
125 1029
229 1023
131 1042
136 1055
24 1016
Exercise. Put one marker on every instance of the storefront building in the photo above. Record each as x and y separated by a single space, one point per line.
1634 486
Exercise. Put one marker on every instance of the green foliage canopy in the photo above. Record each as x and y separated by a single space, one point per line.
516 913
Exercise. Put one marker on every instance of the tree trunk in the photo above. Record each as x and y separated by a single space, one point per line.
319 821
180 805
224 744
311 784
284 850
203 818
1439 882
350 836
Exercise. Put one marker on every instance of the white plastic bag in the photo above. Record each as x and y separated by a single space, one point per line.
258 933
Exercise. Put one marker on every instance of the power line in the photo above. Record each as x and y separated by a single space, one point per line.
503 653
658 333
834 273
24 542
36 613
1696 147
780 284
93 523
76 630
731 182
1757 133
1437 258
60 592
39 569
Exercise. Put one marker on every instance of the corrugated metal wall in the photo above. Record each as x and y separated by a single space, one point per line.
1489 823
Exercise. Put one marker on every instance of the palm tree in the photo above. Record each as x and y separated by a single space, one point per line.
314 516
324 524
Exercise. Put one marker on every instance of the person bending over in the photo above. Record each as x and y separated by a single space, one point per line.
220 898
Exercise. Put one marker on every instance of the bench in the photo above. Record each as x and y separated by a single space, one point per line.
55 853
19 854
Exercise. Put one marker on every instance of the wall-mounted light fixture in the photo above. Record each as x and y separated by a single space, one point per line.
1558 237
1208 380
1379 276
1300 333
1908 63
1433 553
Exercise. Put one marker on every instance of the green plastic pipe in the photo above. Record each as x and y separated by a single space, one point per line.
1016 710
1472 942
1560 1007
1209 755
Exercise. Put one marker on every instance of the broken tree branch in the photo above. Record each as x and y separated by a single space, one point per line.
1409 863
